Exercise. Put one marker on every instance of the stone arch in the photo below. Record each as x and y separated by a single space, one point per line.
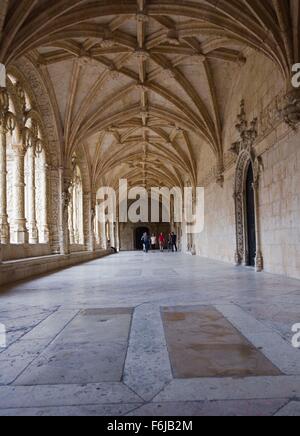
245 159
42 107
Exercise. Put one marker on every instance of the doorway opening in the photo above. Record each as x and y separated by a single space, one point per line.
138 237
250 217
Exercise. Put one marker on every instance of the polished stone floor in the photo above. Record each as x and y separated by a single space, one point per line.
157 334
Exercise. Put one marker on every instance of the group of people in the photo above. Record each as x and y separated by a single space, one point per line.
160 242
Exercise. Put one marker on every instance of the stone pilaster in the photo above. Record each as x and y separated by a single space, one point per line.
97 226
4 226
20 231
65 183
112 234
90 209
259 258
103 234
45 232
32 222
71 218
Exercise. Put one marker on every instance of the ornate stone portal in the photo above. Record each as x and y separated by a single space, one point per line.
246 156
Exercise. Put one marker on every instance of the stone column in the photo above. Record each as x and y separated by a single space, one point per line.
118 235
65 184
103 234
32 222
259 258
20 230
97 225
71 218
4 226
45 233
112 234
93 219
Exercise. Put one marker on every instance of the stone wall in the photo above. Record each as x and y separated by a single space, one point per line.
280 207
279 184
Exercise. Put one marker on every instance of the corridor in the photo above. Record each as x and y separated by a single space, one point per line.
136 334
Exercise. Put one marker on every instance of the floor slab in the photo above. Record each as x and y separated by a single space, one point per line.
89 340
91 349
202 343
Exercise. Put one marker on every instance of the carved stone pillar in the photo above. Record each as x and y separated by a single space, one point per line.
97 225
4 226
71 217
65 181
259 258
88 221
118 235
32 222
103 233
45 232
20 231
112 234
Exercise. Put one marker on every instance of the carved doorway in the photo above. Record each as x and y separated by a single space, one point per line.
248 250
246 193
250 217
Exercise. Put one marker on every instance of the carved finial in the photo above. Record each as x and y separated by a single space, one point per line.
247 136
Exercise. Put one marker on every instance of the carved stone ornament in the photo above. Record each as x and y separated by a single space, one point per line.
247 135
291 110
7 118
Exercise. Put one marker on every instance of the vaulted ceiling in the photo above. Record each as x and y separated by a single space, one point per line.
136 83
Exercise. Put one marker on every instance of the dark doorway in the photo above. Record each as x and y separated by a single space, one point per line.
138 237
250 205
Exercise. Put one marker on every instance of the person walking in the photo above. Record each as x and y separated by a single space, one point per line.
153 242
161 241
174 242
146 242
170 242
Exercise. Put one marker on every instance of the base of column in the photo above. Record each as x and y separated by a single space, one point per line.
237 259
33 235
45 235
21 236
71 237
64 243
4 232
259 262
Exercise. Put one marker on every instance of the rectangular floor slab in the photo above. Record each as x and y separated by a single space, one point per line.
91 349
202 343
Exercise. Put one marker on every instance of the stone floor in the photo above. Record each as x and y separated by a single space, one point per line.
157 334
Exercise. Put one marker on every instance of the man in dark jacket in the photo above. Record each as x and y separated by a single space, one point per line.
174 242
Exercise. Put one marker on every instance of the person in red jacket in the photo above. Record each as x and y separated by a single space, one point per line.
161 241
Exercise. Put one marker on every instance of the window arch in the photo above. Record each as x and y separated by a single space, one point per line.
23 204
